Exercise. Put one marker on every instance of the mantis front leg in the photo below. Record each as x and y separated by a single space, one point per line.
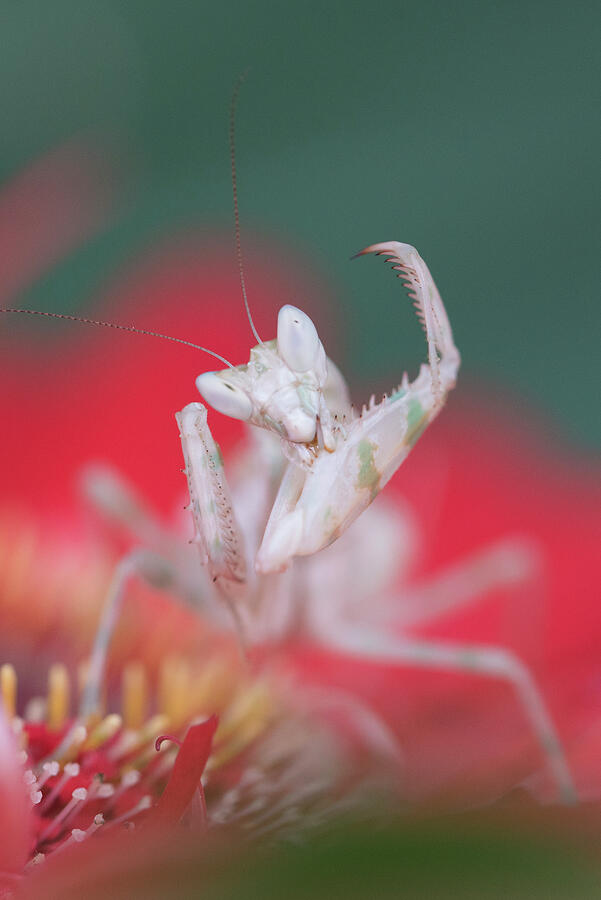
216 531
319 500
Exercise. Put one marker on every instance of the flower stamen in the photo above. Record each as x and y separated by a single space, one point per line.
79 796
8 689
103 732
134 695
143 804
59 697
71 770
49 770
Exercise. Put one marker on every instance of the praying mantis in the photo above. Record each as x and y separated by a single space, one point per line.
313 468
337 462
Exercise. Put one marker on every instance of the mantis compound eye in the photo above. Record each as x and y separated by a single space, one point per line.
298 341
226 398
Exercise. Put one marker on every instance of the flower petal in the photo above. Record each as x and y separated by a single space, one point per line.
185 776
15 810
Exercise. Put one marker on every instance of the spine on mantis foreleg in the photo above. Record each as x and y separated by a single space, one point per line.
216 531
439 376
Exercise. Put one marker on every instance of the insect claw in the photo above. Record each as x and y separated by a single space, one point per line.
369 249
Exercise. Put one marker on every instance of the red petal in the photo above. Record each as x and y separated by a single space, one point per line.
15 808
185 777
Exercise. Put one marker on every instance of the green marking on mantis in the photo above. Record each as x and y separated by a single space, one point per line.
257 357
398 395
275 426
305 399
217 457
417 420
369 477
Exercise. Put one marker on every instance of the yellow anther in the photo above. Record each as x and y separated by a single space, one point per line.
131 742
59 691
212 689
151 729
75 739
104 731
134 695
82 678
8 689
174 690
165 680
142 741
245 720
252 704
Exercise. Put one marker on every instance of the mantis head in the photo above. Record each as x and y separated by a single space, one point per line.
281 387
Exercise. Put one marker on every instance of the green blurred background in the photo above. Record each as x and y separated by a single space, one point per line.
470 129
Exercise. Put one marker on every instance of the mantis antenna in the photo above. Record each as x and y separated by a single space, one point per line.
165 337
238 85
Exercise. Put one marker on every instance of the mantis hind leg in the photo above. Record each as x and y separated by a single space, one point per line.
487 661
509 563
127 567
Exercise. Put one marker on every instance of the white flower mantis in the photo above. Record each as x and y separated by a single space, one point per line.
337 461
313 466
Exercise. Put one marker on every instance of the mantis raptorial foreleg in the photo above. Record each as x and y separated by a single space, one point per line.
317 502
443 356
216 531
